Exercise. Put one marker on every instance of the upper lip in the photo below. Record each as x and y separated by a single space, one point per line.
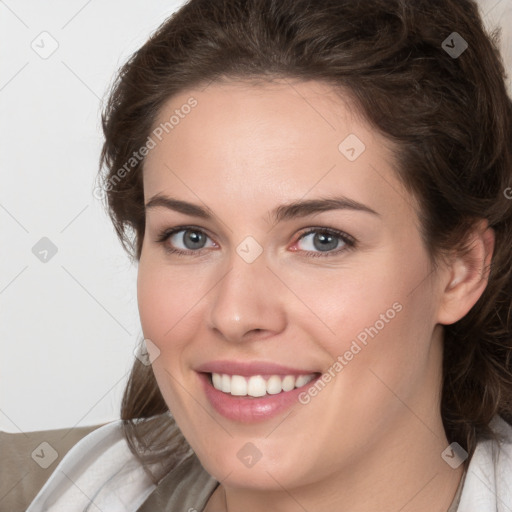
247 369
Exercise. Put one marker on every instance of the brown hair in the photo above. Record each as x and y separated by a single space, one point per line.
449 116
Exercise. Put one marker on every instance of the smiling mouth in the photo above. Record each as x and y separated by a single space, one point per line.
256 386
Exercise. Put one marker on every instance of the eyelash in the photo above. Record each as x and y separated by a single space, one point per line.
349 241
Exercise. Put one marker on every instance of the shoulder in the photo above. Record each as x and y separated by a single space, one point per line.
488 482
99 469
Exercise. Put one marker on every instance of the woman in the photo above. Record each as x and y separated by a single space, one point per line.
316 197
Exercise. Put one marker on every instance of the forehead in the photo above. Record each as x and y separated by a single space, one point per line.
278 141
265 119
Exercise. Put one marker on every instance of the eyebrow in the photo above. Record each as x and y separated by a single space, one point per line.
289 211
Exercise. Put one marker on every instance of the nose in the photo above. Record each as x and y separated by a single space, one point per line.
247 303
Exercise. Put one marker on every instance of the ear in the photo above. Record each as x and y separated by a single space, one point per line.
467 275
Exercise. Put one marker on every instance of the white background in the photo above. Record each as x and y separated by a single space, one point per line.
68 327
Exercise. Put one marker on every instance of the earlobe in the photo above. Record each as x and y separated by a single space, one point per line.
467 275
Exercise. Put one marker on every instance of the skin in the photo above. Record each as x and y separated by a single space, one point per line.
372 438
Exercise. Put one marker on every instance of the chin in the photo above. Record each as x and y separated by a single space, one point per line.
266 474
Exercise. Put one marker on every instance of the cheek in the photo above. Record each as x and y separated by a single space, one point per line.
166 303
377 314
348 303
152 302
385 353
163 306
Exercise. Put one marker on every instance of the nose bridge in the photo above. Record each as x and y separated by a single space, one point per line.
245 299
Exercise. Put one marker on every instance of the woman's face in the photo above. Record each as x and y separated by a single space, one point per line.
339 285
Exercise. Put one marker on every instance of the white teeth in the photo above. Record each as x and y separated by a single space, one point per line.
288 383
274 385
301 380
217 380
238 386
225 384
256 385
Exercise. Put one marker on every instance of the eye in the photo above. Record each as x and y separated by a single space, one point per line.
184 240
189 240
324 242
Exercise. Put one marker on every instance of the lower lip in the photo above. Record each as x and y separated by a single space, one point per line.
245 409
